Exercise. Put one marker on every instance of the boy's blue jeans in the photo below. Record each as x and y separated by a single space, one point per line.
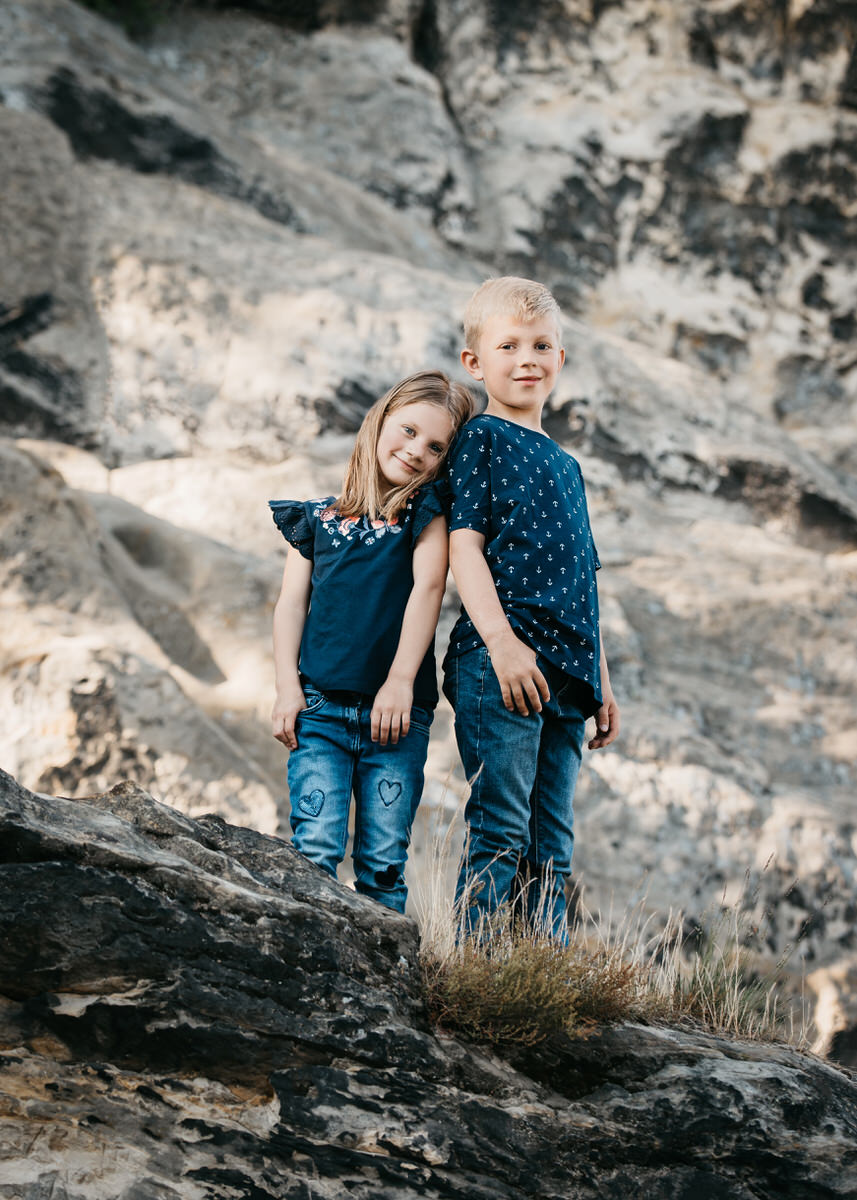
336 756
522 772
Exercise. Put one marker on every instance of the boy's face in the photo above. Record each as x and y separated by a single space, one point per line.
518 362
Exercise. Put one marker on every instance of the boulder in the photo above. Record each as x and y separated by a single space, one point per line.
222 241
189 1008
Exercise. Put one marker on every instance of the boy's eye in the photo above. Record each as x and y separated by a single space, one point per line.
543 346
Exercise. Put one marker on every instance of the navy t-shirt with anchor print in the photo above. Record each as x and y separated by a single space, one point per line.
526 495
362 577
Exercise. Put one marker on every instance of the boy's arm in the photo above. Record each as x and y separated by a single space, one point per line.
514 661
289 617
391 712
607 717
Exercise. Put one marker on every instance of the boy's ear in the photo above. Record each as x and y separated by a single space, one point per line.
470 362
561 356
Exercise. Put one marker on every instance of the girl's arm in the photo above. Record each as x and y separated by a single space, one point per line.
289 616
391 712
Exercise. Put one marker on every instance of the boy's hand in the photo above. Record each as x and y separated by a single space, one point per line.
391 712
516 667
606 722
287 705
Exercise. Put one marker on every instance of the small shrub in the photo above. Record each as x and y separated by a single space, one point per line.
519 993
509 984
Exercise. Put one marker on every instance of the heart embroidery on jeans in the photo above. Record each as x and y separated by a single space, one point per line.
312 803
389 791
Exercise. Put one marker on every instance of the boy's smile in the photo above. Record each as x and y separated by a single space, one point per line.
518 362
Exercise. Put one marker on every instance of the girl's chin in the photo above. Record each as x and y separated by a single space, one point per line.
401 476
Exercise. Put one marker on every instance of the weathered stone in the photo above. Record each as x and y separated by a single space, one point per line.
104 648
53 354
191 1009
219 245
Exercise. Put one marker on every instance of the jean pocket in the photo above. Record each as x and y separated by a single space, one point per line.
314 701
421 718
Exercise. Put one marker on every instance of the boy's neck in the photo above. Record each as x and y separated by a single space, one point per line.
528 418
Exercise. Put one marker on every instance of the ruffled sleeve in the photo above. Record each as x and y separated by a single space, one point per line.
290 517
432 500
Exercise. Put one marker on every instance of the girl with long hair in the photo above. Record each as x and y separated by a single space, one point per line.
354 633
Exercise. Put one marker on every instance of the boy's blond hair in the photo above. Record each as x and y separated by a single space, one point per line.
523 299
362 490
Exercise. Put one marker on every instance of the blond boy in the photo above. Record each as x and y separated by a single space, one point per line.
525 666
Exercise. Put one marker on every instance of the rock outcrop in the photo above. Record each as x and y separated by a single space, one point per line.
220 243
190 1009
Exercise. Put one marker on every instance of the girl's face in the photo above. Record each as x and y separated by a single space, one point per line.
413 441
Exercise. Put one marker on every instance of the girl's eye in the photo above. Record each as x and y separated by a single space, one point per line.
435 449
407 429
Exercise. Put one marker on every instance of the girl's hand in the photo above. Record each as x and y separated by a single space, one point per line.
391 712
284 714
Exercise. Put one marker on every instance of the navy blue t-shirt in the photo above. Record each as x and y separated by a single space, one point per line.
525 494
362 576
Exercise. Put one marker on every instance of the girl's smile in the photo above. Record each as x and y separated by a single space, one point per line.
412 442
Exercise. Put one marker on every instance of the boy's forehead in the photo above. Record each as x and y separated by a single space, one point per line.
496 322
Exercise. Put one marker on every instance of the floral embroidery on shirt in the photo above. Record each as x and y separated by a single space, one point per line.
353 527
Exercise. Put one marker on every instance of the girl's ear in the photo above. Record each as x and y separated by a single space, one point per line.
470 362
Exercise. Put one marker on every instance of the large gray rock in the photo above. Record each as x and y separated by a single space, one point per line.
680 174
105 650
53 352
190 1009
221 244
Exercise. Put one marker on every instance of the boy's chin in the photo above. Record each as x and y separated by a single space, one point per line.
528 405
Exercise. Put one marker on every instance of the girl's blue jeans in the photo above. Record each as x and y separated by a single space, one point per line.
336 757
522 772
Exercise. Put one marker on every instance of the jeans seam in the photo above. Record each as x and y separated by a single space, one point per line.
481 705
349 792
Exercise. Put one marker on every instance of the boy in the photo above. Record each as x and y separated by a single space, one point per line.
525 665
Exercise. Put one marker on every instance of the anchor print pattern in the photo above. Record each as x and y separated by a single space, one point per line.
526 495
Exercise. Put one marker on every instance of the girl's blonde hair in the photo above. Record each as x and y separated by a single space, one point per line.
362 488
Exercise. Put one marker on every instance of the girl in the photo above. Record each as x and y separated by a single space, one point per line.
354 636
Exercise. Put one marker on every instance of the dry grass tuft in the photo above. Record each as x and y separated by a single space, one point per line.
509 984
519 992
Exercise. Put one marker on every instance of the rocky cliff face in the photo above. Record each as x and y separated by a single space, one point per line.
190 1009
220 244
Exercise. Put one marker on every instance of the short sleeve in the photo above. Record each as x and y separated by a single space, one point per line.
470 479
432 501
290 517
